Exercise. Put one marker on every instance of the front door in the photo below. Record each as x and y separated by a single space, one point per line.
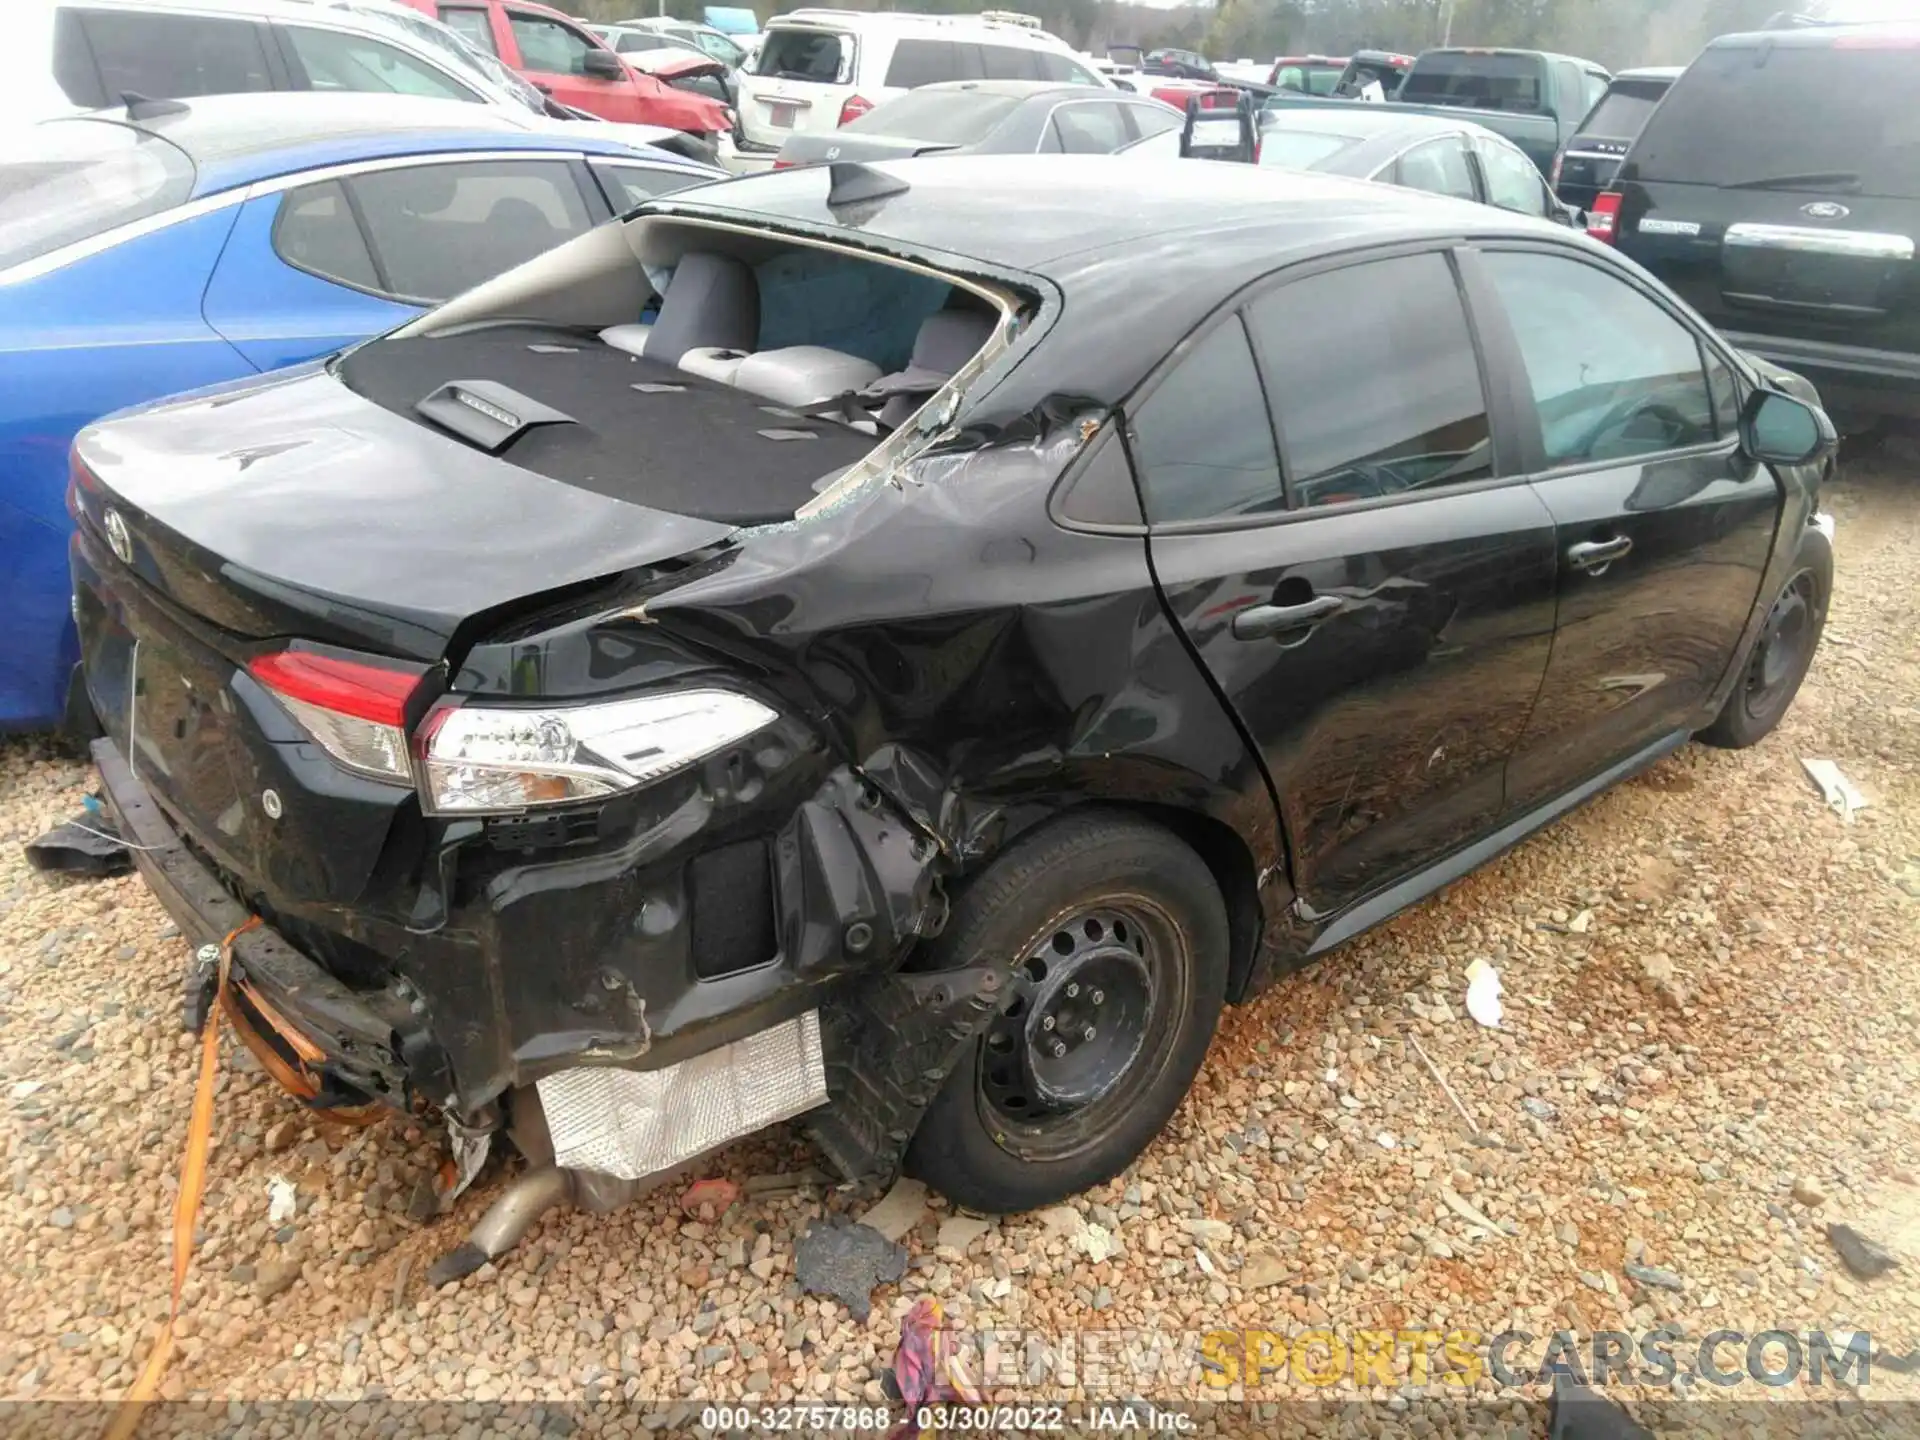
1663 525
553 55
1379 620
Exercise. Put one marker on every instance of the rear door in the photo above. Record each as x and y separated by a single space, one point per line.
1777 189
1440 167
1663 526
1377 609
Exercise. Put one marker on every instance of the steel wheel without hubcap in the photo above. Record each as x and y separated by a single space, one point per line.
1783 651
1088 1027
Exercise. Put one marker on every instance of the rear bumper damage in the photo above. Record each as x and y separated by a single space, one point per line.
830 1029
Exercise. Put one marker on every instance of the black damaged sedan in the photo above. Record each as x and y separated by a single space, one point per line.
903 645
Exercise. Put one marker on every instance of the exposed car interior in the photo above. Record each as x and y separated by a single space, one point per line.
714 372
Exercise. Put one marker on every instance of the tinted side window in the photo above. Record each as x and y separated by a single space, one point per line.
315 231
1152 119
928 62
1613 375
548 46
1439 166
1064 69
1513 181
436 230
168 57
1090 128
1010 62
630 185
1202 441
73 68
473 24
353 63
1366 410
1570 90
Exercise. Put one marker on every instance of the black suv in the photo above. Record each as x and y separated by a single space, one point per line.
1592 157
1777 188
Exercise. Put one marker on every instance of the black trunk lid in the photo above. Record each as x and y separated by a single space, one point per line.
295 507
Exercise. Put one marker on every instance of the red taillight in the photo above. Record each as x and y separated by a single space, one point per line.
856 106
355 710
783 164
1604 217
346 687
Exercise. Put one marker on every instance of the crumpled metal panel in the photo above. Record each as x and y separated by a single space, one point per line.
630 1124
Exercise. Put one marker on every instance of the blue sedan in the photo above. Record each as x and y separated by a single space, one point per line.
172 245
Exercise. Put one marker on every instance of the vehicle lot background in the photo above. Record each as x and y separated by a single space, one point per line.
1774 1045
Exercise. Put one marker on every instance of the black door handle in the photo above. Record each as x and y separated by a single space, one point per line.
1261 622
1596 555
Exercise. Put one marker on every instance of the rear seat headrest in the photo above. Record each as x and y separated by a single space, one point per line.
949 338
712 302
804 374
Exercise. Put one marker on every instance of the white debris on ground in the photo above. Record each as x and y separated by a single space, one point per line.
1709 1053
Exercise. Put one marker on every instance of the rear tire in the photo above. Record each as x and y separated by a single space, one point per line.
1125 936
1771 673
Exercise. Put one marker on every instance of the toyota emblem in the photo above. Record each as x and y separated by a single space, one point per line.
118 538
1826 210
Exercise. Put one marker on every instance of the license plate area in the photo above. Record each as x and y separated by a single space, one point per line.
181 740
782 113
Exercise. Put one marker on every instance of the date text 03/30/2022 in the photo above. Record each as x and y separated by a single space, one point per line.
1134 1416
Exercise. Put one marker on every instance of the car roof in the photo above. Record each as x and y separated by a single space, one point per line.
1821 37
238 139
1130 254
1668 73
811 17
1023 89
262 9
1363 122
1076 206
1508 50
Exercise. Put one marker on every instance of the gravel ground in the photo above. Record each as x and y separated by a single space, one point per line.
1709 1053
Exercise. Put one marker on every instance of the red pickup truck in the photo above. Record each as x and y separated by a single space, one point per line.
571 64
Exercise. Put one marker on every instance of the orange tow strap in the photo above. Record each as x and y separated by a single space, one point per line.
186 1205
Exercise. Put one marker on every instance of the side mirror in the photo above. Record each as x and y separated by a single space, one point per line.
1780 430
602 65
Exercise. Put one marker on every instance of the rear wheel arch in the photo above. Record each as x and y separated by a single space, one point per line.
1221 848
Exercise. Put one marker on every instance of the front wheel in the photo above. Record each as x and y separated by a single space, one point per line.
1782 653
1122 936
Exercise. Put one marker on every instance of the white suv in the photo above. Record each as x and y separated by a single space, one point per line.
818 69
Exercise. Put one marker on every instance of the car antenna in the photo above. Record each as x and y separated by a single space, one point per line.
145 107
854 183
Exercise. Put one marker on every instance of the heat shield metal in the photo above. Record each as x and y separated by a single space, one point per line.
631 1124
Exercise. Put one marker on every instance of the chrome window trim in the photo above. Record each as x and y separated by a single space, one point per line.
93 245
1859 244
